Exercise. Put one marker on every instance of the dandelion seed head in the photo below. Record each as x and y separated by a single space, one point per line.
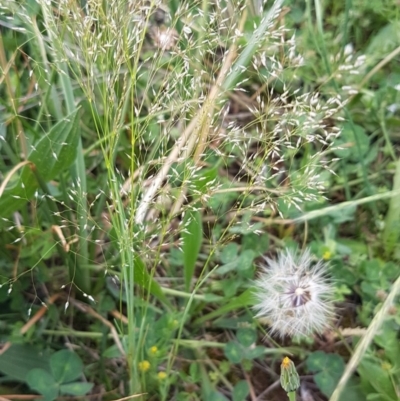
295 295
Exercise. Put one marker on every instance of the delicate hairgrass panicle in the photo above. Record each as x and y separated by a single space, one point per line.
295 295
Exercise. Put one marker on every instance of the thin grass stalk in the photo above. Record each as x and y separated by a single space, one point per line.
345 205
78 171
365 342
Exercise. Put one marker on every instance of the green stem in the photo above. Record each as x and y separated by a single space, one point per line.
292 396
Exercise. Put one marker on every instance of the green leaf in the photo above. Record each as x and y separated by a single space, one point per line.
352 391
112 352
388 340
245 264
329 368
77 389
256 352
206 178
229 253
57 150
246 259
391 233
54 152
347 142
370 370
192 237
246 336
142 277
216 396
66 366
240 391
386 40
246 298
257 243
233 352
43 382
226 268
20 359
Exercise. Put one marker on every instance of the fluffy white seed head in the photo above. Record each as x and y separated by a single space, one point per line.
294 295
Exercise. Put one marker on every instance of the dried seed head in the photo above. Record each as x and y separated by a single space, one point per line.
294 295
164 38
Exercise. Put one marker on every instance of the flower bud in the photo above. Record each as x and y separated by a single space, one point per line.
290 380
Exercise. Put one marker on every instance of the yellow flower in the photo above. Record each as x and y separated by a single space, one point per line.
286 362
153 350
161 375
327 255
144 366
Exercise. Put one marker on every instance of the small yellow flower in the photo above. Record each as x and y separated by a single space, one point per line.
386 366
144 366
327 255
153 350
286 362
161 375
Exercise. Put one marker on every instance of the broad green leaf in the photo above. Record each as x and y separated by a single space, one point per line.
216 396
143 278
246 298
194 372
246 263
20 359
54 152
192 237
353 142
246 336
229 253
112 352
385 40
352 391
371 370
388 340
212 298
233 352
206 178
66 366
228 267
240 391
77 389
328 369
256 352
43 382
257 243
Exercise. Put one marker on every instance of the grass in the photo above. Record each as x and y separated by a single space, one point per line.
152 154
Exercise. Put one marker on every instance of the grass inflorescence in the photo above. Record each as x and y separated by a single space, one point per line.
160 160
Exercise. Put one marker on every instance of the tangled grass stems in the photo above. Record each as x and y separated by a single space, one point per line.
205 114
